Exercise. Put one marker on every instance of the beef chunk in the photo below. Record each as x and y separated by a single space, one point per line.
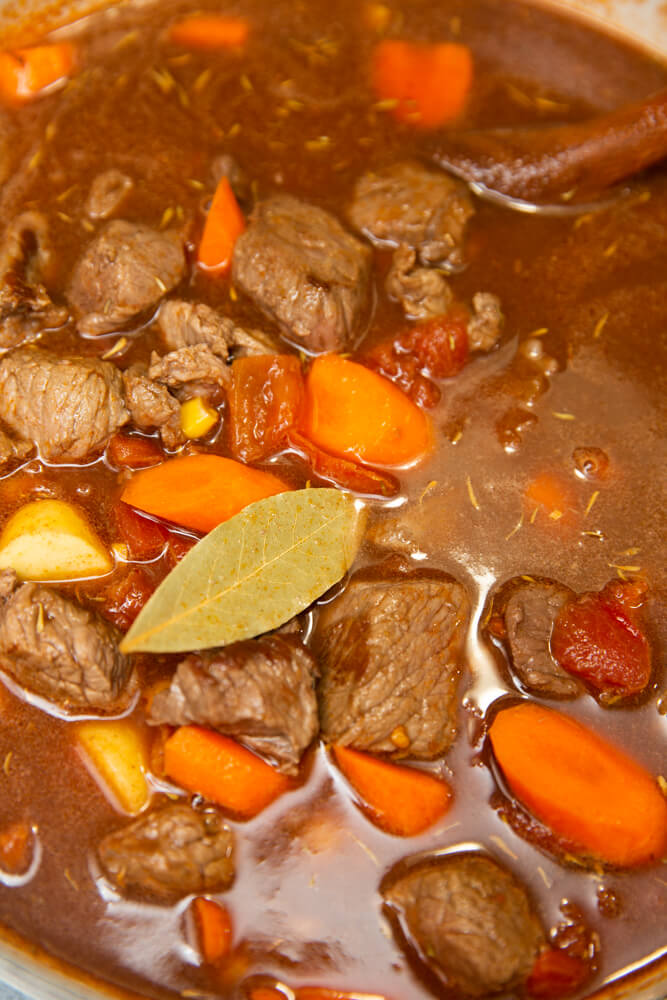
388 650
69 407
12 452
126 270
530 614
58 649
107 193
188 324
469 920
26 309
195 371
422 291
260 691
486 323
152 406
170 853
425 209
304 271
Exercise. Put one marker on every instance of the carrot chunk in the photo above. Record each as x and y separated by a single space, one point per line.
430 83
593 797
199 491
26 74
16 844
209 32
401 800
222 771
265 401
214 929
354 412
224 224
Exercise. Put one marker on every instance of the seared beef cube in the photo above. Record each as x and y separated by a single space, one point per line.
260 691
406 203
189 324
389 651
125 271
469 921
107 193
193 371
58 649
486 322
304 271
530 614
170 853
152 406
69 407
422 291
12 452
26 309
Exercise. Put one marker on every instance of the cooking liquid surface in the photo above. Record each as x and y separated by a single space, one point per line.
305 902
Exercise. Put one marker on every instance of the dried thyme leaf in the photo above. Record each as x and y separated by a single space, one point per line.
252 573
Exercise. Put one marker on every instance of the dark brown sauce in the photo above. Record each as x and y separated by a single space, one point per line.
305 903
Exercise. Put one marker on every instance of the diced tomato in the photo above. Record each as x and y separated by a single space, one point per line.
178 546
144 538
437 347
556 974
133 452
125 597
349 475
265 401
599 638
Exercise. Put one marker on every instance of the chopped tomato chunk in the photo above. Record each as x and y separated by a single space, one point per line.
265 401
599 638
556 974
125 597
132 452
348 475
144 538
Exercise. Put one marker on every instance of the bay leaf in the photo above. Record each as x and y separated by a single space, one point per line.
252 573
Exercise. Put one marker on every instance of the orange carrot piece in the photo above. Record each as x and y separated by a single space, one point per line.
401 800
224 224
553 496
221 770
214 31
589 793
199 491
354 412
26 74
214 929
16 843
430 83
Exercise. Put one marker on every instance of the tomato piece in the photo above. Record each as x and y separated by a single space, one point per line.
133 452
16 845
344 473
599 638
265 401
178 546
125 597
556 974
437 347
144 538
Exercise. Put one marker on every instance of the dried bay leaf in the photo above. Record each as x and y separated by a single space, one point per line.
252 573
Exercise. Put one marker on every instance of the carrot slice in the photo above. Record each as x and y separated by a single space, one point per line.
199 491
430 83
402 800
352 411
214 929
584 789
222 771
209 32
224 224
26 74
